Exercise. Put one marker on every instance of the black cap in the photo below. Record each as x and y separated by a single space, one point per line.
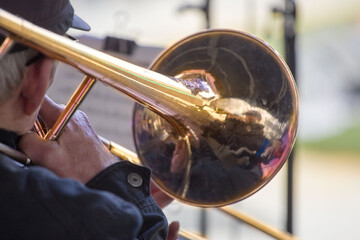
54 15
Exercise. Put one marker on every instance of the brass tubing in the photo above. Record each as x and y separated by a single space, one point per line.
257 224
71 107
6 46
190 235
40 128
120 151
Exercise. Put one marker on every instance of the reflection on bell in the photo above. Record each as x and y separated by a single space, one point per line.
227 146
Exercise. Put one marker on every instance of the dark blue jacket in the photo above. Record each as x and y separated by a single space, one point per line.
36 204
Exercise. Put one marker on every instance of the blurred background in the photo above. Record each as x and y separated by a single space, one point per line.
326 174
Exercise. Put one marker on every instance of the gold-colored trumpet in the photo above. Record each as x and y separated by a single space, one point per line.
218 114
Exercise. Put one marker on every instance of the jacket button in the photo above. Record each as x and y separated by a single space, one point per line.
134 179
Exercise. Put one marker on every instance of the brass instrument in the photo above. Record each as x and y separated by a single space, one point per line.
217 114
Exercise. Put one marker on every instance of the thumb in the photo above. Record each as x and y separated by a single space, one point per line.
35 147
173 231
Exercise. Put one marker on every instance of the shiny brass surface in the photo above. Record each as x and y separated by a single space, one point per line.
227 101
275 233
227 148
74 102
6 46
190 235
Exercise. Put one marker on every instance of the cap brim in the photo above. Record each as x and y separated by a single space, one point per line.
80 24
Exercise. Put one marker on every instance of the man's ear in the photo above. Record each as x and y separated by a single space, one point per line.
35 84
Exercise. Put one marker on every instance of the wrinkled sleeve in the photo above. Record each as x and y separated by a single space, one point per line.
39 205
135 188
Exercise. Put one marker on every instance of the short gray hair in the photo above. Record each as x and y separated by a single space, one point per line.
12 69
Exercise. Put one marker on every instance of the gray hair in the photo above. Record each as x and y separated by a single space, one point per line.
12 69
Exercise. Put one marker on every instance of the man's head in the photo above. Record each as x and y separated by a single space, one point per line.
23 85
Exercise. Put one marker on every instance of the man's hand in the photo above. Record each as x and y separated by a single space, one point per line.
78 153
160 197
